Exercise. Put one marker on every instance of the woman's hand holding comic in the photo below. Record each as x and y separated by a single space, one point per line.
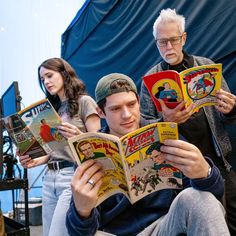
68 130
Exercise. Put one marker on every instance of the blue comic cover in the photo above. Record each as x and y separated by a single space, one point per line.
42 120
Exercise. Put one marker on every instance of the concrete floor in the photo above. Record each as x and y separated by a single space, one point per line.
36 230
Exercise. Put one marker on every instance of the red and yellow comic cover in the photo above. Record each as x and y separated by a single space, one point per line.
164 85
132 164
197 85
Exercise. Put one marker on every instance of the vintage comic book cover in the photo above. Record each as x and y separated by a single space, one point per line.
164 85
133 164
197 84
34 129
22 137
42 120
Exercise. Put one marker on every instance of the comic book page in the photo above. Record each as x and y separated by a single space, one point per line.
164 85
104 148
146 170
22 137
42 120
199 84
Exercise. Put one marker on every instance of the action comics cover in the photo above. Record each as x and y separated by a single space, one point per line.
197 84
133 164
34 129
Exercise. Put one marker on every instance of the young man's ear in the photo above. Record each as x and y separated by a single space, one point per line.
100 112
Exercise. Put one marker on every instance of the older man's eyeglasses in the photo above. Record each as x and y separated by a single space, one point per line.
173 40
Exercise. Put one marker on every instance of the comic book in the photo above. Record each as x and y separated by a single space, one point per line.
133 164
34 129
197 84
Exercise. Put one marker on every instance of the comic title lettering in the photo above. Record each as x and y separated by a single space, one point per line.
138 142
34 112
193 74
105 146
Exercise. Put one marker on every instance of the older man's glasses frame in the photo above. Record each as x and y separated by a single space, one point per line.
173 40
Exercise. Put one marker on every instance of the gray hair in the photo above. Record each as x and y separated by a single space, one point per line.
166 16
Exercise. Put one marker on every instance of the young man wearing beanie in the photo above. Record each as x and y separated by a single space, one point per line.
194 210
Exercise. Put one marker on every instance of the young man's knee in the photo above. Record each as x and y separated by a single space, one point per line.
191 196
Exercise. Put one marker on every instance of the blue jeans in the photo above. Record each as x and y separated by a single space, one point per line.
56 195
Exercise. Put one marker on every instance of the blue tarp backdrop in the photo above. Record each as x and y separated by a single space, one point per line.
116 36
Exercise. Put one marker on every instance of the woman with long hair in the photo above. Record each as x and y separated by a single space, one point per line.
67 94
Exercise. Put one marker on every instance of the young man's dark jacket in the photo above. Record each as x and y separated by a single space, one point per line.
118 216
